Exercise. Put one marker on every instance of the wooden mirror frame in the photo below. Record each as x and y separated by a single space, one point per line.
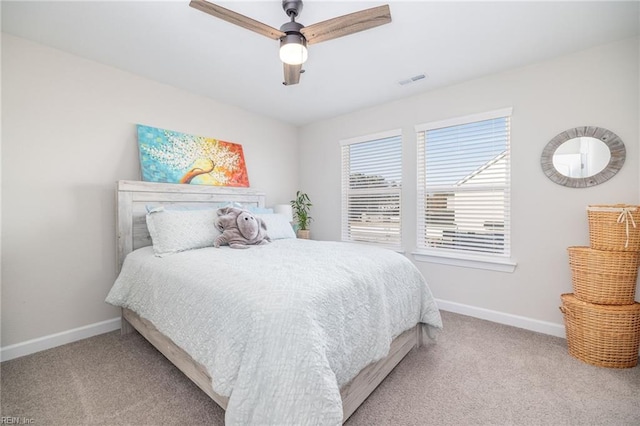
613 142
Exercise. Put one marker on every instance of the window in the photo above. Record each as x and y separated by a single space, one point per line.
464 188
371 189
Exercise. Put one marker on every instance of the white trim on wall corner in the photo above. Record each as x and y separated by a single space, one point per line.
539 326
58 339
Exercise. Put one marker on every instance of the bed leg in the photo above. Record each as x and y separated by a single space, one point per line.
419 335
125 327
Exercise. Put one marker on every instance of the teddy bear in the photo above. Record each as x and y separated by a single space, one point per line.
240 229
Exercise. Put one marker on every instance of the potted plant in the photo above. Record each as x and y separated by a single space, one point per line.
301 206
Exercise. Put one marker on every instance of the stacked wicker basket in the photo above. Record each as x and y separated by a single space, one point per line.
601 316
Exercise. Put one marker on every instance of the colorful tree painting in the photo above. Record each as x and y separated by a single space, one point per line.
174 157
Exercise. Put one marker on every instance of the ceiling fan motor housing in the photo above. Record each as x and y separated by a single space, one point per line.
291 28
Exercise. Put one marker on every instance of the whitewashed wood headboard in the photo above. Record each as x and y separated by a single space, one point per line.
134 196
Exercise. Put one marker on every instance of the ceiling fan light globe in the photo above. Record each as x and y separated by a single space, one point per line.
293 50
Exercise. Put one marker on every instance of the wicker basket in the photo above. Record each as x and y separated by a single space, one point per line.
613 227
604 277
602 335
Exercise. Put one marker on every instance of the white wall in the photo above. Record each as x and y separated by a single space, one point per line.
68 134
598 87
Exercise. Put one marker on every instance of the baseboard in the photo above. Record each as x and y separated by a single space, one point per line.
51 341
69 336
544 327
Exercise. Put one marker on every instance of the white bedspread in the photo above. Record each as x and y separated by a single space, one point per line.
281 327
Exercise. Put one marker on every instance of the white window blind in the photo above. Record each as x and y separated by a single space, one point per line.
371 188
464 186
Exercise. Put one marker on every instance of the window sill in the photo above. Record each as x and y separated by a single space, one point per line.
397 249
466 261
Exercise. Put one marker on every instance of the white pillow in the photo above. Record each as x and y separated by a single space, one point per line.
173 231
277 226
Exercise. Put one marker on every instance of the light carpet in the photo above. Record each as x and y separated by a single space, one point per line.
478 373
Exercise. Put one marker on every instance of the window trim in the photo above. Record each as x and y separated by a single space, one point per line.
477 261
456 121
372 137
466 260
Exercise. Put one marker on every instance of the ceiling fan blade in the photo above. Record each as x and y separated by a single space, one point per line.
236 18
292 74
347 24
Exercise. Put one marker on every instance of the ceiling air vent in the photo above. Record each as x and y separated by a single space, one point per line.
412 79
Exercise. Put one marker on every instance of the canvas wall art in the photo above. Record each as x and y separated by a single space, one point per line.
174 157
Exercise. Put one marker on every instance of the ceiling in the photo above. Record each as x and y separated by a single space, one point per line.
449 42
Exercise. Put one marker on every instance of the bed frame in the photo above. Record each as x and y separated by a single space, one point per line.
132 233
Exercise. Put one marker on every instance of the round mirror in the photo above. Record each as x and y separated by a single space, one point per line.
583 157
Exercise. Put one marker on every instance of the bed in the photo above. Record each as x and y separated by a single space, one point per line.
267 349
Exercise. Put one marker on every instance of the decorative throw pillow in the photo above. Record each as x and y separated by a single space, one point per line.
277 226
173 231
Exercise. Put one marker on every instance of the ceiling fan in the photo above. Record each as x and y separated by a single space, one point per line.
294 36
